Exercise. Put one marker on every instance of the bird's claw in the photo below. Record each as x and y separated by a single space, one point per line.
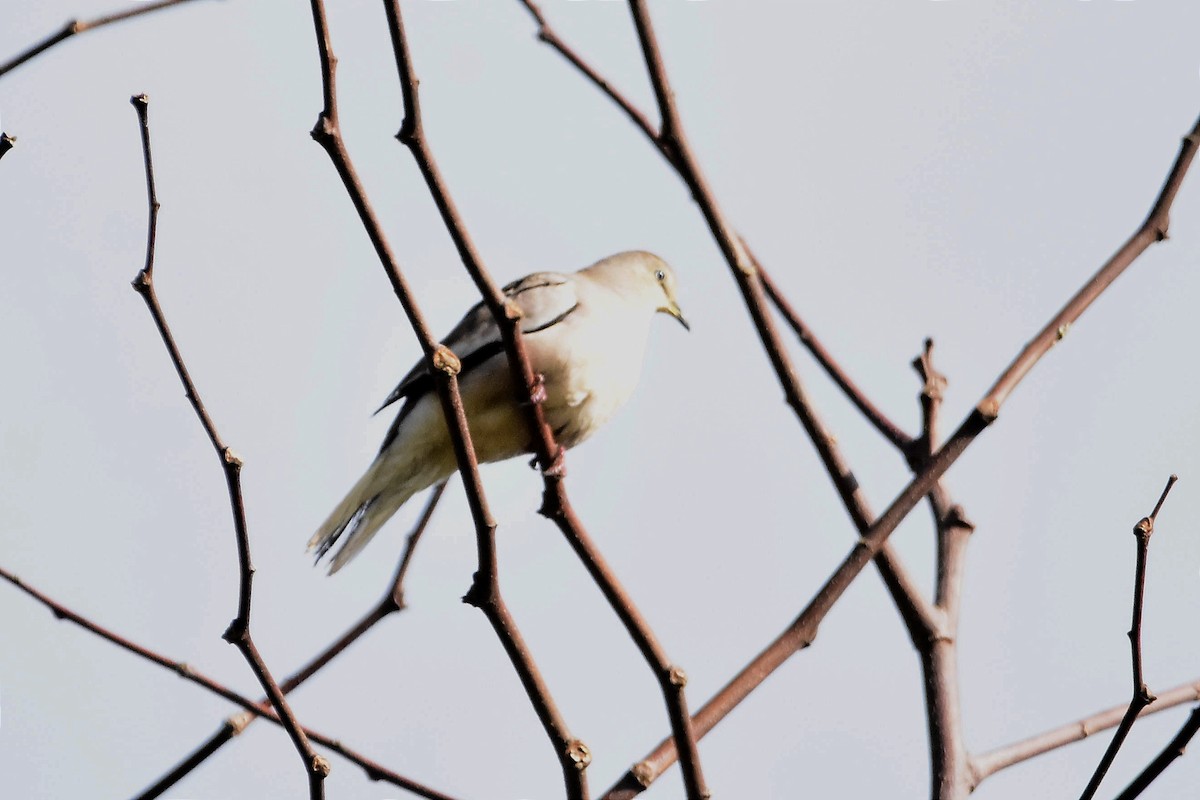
537 390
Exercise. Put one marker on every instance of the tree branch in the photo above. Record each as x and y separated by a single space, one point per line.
556 505
987 764
804 628
1172 751
392 601
75 27
234 724
572 754
238 633
1141 694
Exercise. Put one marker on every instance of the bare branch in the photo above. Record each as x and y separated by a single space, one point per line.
1172 751
238 633
556 505
993 761
1141 694
572 754
392 601
75 27
803 629
191 675
888 429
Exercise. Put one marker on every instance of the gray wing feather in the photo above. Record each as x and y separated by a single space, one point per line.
545 299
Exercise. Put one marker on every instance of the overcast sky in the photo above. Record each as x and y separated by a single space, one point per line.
948 169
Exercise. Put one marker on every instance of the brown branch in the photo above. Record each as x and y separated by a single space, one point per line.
1172 751
238 633
572 754
949 760
888 429
6 143
392 601
916 613
556 505
987 764
75 27
1141 694
803 629
191 675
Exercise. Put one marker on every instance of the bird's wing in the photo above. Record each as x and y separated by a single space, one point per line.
545 299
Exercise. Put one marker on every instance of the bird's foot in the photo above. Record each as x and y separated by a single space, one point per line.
558 466
537 390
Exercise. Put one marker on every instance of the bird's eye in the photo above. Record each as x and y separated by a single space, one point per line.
660 275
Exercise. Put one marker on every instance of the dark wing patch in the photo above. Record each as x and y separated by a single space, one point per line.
475 340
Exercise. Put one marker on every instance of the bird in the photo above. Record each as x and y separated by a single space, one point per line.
585 334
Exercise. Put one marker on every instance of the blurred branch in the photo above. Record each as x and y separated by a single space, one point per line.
1172 751
1141 694
235 724
993 761
392 601
75 27
444 365
556 505
6 143
238 632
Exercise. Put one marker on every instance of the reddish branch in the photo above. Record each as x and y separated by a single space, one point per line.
670 140
572 754
1141 694
235 724
238 633
391 602
556 505
75 27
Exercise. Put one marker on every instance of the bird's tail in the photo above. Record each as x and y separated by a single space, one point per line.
372 502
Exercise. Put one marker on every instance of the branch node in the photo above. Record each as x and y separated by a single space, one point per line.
238 722
579 754
677 676
444 360
231 458
1061 332
644 773
320 766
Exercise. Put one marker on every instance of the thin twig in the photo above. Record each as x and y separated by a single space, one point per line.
914 610
191 675
949 760
1141 694
573 755
238 633
888 429
803 629
556 505
75 27
1172 751
392 601
1001 758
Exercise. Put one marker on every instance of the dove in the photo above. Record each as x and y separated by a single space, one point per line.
585 334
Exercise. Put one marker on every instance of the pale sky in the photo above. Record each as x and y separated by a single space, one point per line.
948 169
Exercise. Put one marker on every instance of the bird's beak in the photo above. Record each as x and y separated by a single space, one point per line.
673 310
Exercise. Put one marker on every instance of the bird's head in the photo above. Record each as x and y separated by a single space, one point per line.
644 273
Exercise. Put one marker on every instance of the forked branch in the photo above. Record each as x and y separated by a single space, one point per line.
238 633
76 27
1141 694
444 365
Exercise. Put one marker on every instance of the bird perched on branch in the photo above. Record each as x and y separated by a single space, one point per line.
585 334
